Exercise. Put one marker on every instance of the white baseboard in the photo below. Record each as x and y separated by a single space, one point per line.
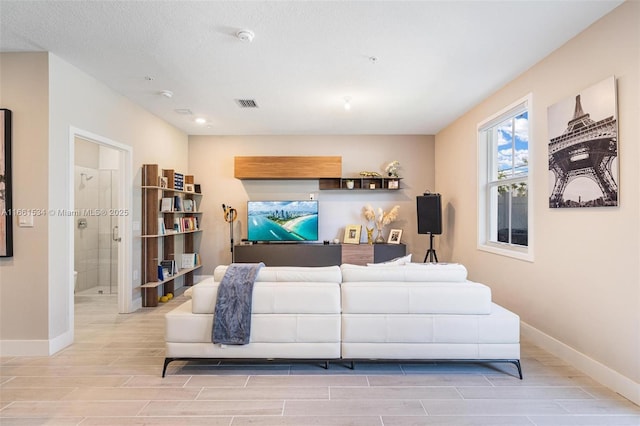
58 343
598 371
136 304
35 347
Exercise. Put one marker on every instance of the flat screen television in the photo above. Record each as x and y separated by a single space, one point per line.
282 220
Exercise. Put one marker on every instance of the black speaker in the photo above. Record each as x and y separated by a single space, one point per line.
429 214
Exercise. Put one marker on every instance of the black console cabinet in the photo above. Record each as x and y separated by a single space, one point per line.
284 254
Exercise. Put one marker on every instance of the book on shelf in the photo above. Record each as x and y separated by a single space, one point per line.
177 203
188 205
185 224
189 224
160 273
170 266
166 204
161 228
189 260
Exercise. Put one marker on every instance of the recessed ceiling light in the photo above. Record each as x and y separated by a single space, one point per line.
167 93
201 120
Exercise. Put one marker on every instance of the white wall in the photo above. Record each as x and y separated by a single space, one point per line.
211 161
583 289
49 97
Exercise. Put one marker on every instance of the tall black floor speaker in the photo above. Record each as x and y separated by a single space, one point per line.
429 214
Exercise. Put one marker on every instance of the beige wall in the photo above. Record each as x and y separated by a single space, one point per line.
78 100
583 287
211 161
24 85
49 97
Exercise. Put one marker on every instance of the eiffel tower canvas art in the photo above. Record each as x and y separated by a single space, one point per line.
583 148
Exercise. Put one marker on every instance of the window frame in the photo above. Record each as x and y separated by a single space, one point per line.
487 214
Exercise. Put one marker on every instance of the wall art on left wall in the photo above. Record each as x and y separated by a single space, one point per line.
6 216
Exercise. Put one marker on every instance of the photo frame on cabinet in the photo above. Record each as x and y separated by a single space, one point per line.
189 187
394 236
352 234
6 216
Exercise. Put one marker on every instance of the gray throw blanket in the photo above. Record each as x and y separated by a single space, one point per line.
232 315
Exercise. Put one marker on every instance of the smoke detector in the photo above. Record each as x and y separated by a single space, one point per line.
245 35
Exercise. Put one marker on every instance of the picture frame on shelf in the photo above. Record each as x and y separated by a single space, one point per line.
189 187
188 260
393 184
394 236
352 234
197 188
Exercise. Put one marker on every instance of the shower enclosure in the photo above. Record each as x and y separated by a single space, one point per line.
95 229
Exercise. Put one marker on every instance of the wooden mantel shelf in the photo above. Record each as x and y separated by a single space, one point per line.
275 167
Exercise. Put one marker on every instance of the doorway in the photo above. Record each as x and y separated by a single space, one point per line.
102 220
96 231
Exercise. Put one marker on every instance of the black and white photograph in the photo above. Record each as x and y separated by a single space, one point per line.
583 148
394 236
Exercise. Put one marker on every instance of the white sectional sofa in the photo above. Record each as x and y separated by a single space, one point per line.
423 312
295 315
417 312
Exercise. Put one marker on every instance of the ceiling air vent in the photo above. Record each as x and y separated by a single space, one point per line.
247 103
184 111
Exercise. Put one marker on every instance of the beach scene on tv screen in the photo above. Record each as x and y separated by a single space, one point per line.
282 220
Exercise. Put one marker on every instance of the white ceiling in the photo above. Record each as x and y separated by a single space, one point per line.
435 59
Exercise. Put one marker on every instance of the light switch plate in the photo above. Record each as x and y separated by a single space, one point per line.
25 221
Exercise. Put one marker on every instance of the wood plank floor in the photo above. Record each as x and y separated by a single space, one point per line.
111 376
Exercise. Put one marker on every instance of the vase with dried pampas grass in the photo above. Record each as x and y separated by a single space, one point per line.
380 220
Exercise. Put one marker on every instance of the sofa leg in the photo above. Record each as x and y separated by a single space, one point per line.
352 365
326 365
166 364
516 362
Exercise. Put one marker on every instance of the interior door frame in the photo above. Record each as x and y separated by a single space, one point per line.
125 222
